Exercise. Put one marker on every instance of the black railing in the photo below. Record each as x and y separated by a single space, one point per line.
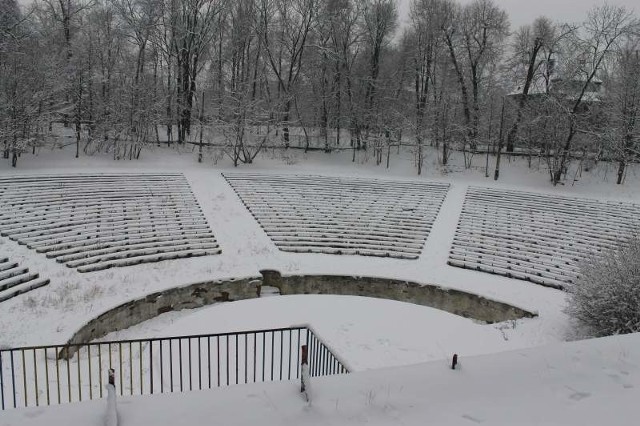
45 375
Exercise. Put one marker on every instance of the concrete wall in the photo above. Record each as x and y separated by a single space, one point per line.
454 301
201 294
174 299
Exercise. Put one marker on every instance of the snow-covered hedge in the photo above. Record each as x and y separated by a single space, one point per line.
606 297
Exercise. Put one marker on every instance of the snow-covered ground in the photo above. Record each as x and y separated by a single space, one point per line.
51 315
500 389
582 383
366 333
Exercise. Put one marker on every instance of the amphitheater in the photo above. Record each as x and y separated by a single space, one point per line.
84 255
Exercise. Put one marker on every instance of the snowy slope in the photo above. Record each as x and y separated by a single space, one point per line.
592 382
367 333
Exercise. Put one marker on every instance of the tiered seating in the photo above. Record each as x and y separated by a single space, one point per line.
16 279
315 214
535 237
95 222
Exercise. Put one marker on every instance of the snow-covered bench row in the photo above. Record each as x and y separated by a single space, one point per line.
583 204
411 208
335 215
94 222
16 279
80 212
558 213
141 207
534 230
537 237
561 211
585 228
338 217
102 241
30 237
49 202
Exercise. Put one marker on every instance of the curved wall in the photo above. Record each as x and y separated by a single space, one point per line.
206 293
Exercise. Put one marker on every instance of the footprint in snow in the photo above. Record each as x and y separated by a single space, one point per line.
472 418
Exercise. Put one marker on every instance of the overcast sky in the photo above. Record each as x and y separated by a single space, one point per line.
523 12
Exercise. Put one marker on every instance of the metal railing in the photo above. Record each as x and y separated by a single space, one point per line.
45 375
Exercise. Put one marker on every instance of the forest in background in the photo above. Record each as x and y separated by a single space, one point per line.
241 75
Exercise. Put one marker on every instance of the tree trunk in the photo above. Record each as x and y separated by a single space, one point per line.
496 174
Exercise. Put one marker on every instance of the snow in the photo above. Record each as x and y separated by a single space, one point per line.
576 383
580 383
367 333
51 315
111 411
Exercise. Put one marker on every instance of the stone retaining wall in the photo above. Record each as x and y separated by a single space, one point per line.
201 294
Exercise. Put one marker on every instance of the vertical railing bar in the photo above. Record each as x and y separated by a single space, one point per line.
209 358
24 378
180 362
309 353
161 368
289 369
236 358
151 367
227 359
246 359
264 353
272 349
35 377
255 350
69 372
2 379
13 380
190 370
171 364
318 349
58 377
319 356
121 374
218 359
141 378
298 356
281 353
131 367
100 368
326 360
79 376
315 354
90 379
199 364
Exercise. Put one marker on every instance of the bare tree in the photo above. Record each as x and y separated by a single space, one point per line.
192 27
622 104
474 35
284 26
605 27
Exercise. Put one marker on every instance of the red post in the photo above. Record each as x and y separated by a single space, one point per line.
305 355
454 362
112 377
303 363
